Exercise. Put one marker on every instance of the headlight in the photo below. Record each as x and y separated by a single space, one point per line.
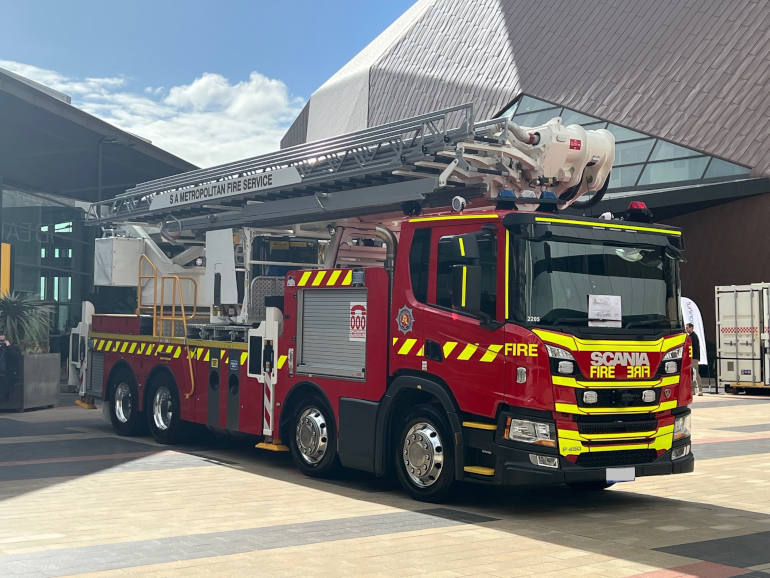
558 353
530 432
682 426
674 354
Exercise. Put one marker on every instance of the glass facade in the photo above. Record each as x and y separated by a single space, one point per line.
51 253
641 160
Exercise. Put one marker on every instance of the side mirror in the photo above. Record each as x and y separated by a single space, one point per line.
466 288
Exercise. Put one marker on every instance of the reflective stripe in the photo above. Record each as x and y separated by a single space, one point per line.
177 352
116 346
244 357
507 260
407 346
318 278
421 351
348 277
149 349
572 382
133 347
333 277
395 340
572 442
480 425
206 357
449 347
451 218
107 347
462 246
608 225
574 409
199 352
125 346
462 297
575 344
141 348
491 353
468 352
281 361
304 278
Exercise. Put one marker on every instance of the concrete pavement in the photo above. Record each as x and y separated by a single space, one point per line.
76 499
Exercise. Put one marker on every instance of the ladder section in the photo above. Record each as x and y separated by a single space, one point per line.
369 156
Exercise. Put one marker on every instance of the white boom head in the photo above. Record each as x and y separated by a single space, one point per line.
569 161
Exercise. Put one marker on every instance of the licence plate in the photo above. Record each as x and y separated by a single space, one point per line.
621 474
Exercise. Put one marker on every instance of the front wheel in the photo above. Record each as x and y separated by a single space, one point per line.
124 408
163 417
313 439
424 457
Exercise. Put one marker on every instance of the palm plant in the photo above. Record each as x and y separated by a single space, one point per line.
25 321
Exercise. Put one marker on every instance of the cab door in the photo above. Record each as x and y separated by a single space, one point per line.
453 327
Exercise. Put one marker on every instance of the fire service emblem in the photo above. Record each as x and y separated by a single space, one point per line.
405 319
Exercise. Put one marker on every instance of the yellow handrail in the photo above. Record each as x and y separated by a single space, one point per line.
142 259
176 289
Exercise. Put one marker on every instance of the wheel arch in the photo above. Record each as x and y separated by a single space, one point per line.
408 389
295 395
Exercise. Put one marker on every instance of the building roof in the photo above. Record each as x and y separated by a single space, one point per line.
48 145
693 72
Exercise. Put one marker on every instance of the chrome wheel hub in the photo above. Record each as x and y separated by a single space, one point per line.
122 402
423 454
162 408
312 435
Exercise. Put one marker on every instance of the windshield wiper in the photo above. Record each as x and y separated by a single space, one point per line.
647 322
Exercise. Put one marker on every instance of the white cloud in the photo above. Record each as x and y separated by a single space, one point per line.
208 122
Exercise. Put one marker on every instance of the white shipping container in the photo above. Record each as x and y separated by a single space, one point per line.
743 343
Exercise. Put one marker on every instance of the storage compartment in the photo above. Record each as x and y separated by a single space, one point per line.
332 332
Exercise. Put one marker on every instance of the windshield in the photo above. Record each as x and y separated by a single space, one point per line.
586 284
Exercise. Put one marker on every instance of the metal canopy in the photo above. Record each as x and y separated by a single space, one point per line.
47 145
358 164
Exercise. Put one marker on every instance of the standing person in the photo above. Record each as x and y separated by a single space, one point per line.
695 344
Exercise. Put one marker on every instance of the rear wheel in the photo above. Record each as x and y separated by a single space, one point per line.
163 416
313 438
424 459
124 407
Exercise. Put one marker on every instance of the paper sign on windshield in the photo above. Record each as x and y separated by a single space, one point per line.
604 311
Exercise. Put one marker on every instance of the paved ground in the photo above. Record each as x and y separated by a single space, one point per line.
76 499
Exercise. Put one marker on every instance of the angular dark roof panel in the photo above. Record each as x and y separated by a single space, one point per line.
695 72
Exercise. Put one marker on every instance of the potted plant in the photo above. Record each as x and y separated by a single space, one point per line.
29 375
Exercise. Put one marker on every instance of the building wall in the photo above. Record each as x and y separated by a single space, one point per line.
725 245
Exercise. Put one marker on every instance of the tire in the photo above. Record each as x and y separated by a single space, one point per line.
424 455
593 486
163 416
313 438
124 404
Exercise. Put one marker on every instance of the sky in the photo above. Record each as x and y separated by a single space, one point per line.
210 81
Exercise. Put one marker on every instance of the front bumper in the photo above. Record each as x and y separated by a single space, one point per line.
512 466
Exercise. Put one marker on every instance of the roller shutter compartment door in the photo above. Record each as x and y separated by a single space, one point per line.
326 347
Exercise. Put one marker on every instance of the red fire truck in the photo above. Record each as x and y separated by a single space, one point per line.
515 343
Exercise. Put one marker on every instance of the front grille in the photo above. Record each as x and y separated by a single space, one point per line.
619 458
615 425
618 398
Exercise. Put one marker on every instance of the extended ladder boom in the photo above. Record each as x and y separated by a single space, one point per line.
373 171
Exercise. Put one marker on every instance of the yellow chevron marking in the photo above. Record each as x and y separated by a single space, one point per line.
304 278
348 277
125 346
169 349
206 357
141 348
407 346
116 346
132 348
177 352
421 351
491 353
199 352
333 277
244 357
98 344
222 353
395 340
449 347
107 347
281 361
468 352
318 278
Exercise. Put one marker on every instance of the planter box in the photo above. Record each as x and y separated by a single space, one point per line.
37 384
